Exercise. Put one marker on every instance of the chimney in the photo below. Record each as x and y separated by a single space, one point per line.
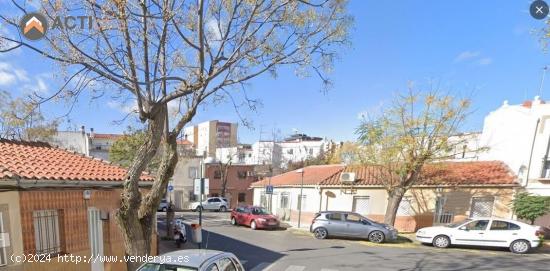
82 129
537 100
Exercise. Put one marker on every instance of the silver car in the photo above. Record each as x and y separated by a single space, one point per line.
212 204
193 260
348 224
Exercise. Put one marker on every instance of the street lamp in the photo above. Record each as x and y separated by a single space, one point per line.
301 171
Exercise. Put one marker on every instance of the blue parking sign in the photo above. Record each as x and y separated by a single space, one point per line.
269 189
170 187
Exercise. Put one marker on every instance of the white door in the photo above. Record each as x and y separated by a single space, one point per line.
502 233
361 205
95 233
472 233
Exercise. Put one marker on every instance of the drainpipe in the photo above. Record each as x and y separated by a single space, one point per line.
531 154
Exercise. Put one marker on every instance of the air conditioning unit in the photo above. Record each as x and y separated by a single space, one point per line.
347 177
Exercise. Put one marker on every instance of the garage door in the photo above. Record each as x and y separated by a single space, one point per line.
361 205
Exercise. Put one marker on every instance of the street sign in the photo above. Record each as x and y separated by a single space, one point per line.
197 187
170 188
269 189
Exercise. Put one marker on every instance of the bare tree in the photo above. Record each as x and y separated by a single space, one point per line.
183 53
416 129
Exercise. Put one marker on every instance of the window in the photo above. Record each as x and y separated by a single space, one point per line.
217 174
242 197
192 172
334 216
405 208
499 225
263 200
479 225
482 207
310 151
284 200
301 202
241 174
46 231
3 256
98 148
227 265
353 218
291 151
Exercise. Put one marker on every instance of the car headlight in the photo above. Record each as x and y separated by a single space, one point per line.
261 219
388 227
421 232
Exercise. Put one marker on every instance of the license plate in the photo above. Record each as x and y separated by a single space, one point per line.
272 223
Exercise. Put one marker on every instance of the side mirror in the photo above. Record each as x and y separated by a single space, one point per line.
463 228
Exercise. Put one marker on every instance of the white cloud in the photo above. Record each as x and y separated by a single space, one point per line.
485 61
467 55
6 78
122 107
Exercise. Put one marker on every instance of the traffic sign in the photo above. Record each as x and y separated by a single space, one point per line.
269 189
170 188
197 187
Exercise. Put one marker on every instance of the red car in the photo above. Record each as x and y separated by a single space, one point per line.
255 217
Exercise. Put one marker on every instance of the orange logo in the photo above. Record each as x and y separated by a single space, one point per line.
33 26
33 23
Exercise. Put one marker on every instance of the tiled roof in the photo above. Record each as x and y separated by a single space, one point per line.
312 175
447 173
40 161
184 142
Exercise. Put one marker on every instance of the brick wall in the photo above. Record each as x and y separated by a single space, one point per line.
73 224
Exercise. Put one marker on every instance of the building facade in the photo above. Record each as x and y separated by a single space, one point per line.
55 202
239 180
210 135
449 192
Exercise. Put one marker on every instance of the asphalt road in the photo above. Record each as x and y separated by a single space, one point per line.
294 250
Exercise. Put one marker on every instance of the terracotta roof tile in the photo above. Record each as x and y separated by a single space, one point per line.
105 136
37 160
312 175
448 173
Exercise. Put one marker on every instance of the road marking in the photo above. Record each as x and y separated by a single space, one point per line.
295 268
262 266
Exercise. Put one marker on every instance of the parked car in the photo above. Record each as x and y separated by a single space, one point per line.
213 204
349 224
163 206
194 260
491 232
254 216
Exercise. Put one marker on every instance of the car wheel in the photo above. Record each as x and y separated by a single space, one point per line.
198 209
253 225
441 241
233 221
520 246
223 209
376 237
320 233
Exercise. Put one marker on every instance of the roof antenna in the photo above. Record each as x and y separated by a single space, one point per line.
542 79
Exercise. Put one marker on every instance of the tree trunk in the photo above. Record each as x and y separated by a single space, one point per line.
223 172
394 199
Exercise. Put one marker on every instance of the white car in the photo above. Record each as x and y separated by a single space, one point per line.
213 204
491 232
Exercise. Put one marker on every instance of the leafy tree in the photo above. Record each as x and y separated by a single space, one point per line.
187 53
20 119
530 207
125 148
416 129
348 153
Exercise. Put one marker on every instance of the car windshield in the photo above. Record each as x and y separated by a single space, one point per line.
260 211
458 223
164 267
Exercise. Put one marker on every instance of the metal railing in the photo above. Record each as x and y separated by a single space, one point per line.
444 218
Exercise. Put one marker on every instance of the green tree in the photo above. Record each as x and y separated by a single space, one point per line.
187 53
530 207
20 119
416 129
125 149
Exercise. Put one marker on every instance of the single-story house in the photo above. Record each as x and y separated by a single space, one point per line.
445 193
56 202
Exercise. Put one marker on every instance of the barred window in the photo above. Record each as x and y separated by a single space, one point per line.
405 208
46 231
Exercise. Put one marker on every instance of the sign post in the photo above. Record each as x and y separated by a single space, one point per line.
200 188
269 189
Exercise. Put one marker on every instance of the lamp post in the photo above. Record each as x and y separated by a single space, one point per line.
301 171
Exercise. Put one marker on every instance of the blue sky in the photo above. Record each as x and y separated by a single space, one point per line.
486 49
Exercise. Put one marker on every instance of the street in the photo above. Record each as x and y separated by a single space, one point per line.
295 250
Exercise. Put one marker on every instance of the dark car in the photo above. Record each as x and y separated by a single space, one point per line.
254 216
